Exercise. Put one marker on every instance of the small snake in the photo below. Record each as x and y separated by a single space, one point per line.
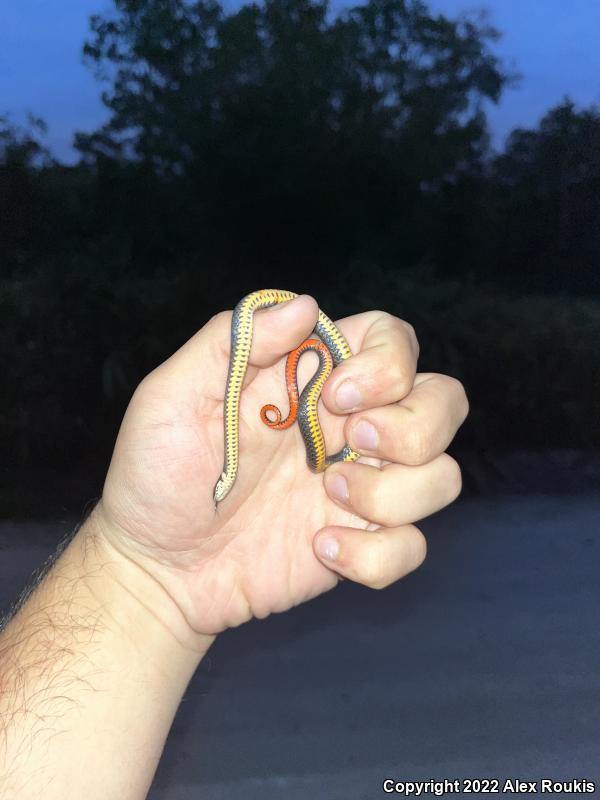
331 349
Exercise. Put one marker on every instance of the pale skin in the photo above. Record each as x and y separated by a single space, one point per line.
94 664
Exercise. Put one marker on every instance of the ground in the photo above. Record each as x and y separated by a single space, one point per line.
484 663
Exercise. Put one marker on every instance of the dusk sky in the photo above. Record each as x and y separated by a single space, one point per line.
554 44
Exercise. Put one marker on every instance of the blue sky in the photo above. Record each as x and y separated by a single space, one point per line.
554 44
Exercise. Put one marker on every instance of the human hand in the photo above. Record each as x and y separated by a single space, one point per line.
272 543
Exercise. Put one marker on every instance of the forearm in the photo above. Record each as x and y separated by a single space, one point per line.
92 669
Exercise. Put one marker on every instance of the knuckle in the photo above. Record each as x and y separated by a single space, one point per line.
400 376
455 387
145 388
383 316
220 318
392 322
373 563
379 508
218 322
411 333
453 477
464 400
369 495
151 390
397 322
420 547
418 439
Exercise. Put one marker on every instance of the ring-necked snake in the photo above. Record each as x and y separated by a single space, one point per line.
331 347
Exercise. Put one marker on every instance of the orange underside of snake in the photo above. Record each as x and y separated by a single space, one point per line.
291 382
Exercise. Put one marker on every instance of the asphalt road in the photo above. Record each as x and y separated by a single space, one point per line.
484 663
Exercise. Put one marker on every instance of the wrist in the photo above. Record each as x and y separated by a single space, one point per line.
136 602
96 659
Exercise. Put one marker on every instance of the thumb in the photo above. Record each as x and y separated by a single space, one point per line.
282 328
203 359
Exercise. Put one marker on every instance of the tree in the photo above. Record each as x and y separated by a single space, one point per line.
21 198
548 195
278 129
44 206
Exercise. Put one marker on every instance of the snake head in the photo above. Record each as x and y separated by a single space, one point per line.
222 488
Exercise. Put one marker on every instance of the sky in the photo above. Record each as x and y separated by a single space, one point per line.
553 44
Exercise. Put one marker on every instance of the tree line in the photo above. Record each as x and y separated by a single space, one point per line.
280 135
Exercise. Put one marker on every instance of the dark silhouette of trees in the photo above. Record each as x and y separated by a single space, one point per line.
21 198
548 186
529 217
280 133
44 206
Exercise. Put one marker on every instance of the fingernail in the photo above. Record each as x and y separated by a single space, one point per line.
337 487
328 547
365 436
348 396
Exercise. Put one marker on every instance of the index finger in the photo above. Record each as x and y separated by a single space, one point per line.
383 369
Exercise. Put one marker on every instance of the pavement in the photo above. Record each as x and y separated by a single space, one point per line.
485 663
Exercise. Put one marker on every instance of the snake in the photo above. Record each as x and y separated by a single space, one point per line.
331 348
